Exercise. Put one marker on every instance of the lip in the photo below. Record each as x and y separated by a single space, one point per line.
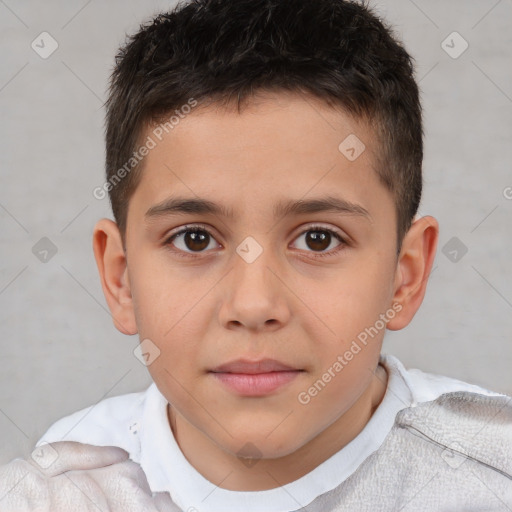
253 367
255 378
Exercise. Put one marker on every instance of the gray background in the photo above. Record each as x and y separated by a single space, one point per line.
59 349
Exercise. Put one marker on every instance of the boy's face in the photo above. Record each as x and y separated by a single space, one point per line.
210 297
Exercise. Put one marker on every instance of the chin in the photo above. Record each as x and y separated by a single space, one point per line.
255 445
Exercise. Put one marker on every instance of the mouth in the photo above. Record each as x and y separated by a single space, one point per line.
255 378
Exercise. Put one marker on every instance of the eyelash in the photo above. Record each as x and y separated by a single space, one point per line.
200 227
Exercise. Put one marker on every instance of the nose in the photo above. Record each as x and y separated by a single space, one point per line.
254 296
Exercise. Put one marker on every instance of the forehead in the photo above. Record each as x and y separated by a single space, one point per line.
279 146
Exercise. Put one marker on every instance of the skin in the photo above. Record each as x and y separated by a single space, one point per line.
211 306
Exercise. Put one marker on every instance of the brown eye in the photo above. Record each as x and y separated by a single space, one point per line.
191 240
318 240
196 240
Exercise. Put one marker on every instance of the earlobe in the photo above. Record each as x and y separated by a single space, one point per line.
111 261
414 266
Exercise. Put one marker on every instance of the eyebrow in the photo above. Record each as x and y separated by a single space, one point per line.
189 206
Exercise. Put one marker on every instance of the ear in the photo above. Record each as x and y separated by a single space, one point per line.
413 269
113 269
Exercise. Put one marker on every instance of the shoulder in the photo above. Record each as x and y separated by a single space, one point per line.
113 421
450 453
468 425
467 419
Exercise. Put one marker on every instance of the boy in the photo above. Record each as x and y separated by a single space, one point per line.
283 139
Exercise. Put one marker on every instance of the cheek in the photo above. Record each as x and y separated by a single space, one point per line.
163 279
332 392
361 293
162 300
176 370
353 312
